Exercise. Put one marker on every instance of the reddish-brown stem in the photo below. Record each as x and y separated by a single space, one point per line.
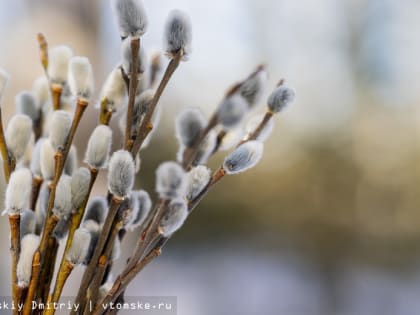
14 221
146 125
135 47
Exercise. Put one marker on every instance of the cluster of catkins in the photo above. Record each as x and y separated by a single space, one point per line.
48 193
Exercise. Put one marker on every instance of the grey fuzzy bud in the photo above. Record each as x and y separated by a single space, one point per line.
206 148
280 98
131 17
41 90
114 90
253 124
80 182
41 206
121 173
79 247
171 180
188 126
198 178
231 139
18 191
104 289
62 203
29 245
144 204
27 104
47 160
116 250
99 146
253 87
80 77
71 162
155 123
174 218
127 210
35 164
58 63
127 57
62 228
94 230
178 33
18 134
4 79
231 111
140 107
27 223
97 210
246 156
59 127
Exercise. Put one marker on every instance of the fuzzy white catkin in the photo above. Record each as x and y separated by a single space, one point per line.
188 126
80 182
80 77
35 164
252 88
47 160
18 191
116 250
231 138
71 163
144 204
41 206
29 245
178 33
18 134
121 173
155 122
59 128
244 157
131 17
171 180
231 111
174 217
206 148
4 78
94 230
58 63
27 104
198 178
99 147
127 57
114 90
79 247
62 203
253 124
41 90
280 98
27 222
62 228
141 105
97 210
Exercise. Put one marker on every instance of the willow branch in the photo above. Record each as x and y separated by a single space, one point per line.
135 48
146 124
91 268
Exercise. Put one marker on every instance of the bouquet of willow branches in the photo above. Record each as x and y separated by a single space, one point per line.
48 200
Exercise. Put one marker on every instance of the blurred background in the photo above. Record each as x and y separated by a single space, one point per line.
329 221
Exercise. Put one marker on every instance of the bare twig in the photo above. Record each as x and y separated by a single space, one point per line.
4 152
14 221
135 47
91 268
146 125
123 280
